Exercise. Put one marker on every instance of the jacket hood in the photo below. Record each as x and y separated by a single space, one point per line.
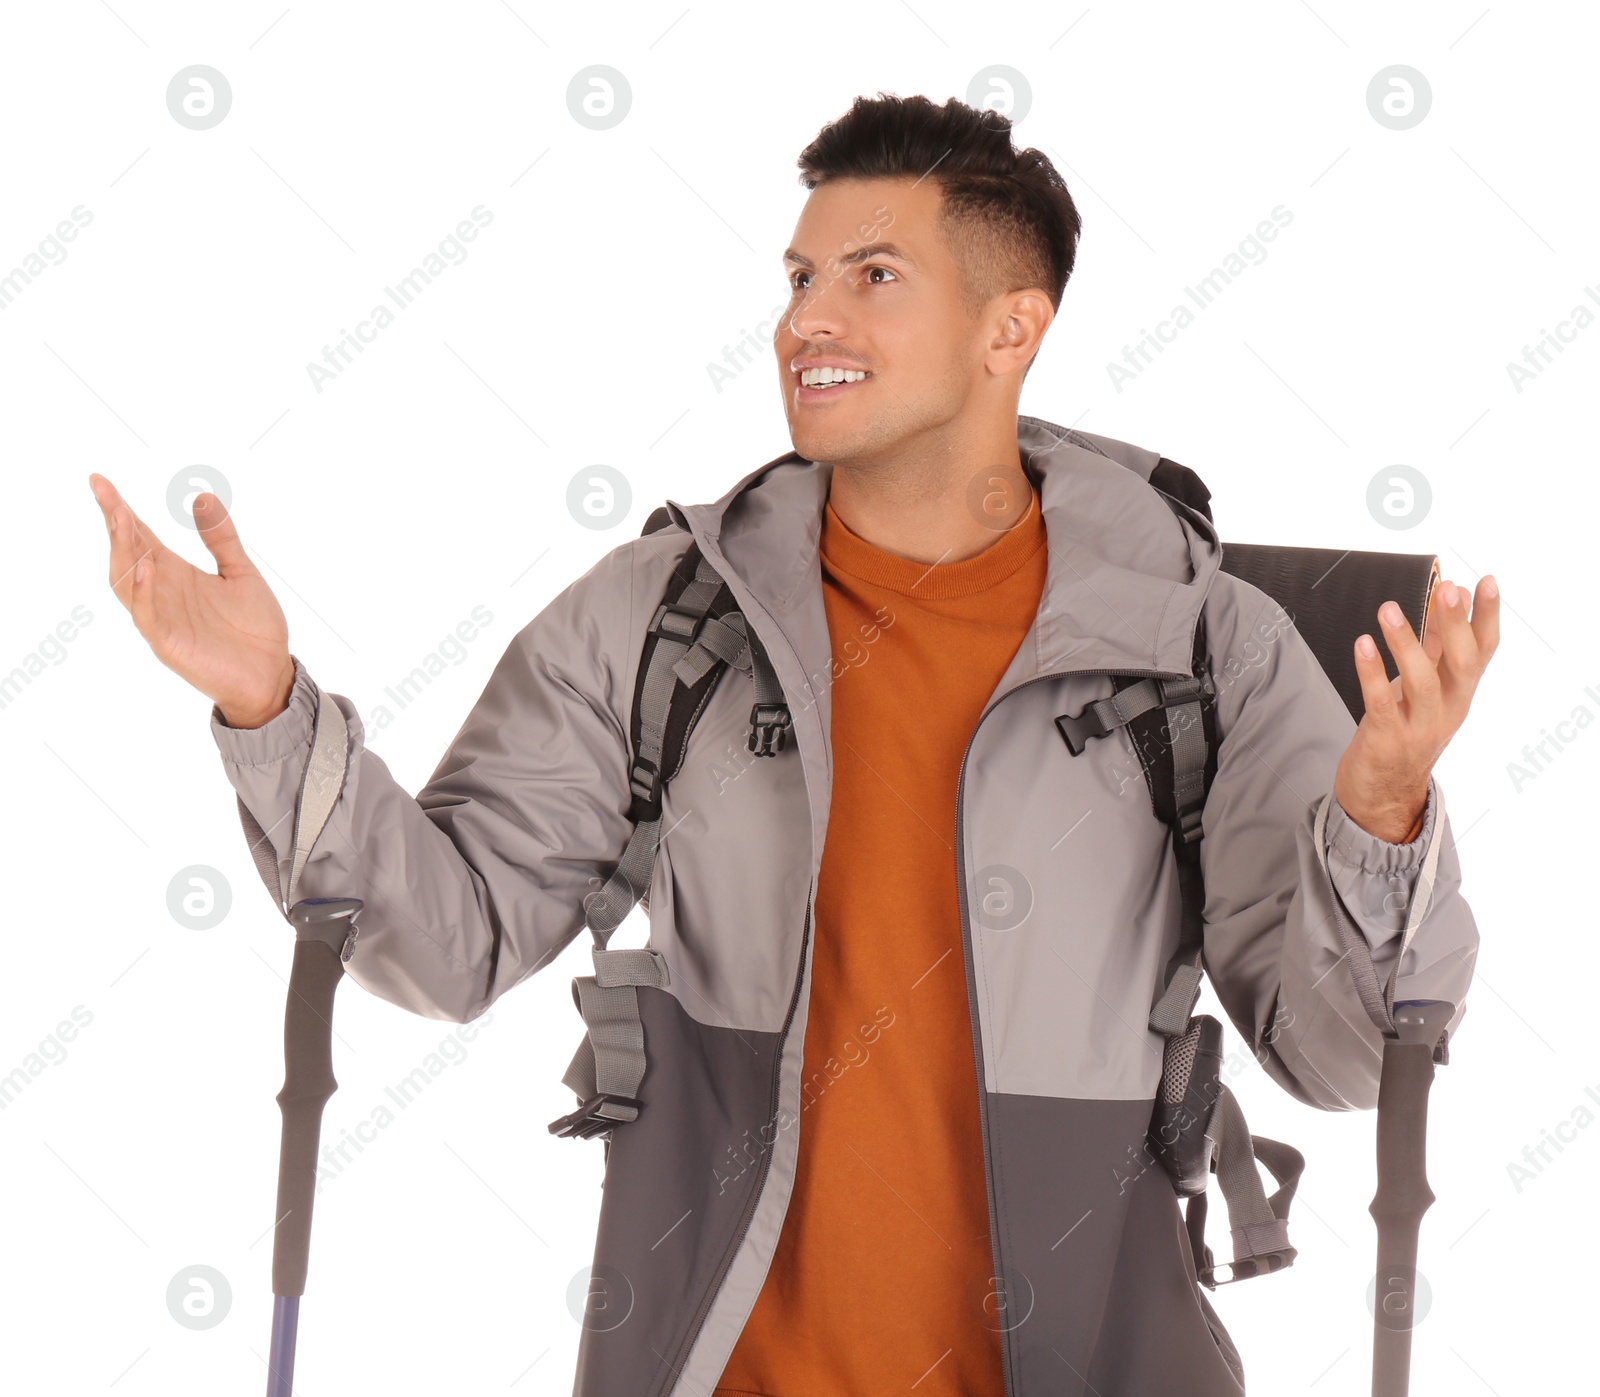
1127 572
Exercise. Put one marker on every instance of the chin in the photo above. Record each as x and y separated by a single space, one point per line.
816 442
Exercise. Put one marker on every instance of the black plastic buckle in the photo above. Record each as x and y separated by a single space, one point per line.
1078 728
769 728
589 1119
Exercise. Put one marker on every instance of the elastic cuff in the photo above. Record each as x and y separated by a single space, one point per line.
1361 849
283 736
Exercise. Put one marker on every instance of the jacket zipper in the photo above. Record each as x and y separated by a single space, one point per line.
1007 1380
763 1165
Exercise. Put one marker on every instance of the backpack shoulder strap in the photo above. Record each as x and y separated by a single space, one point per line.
1182 484
1176 743
696 634
1197 1127
1172 725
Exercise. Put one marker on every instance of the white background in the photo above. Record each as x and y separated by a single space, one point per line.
430 477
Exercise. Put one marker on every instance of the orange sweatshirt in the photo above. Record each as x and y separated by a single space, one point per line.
881 1279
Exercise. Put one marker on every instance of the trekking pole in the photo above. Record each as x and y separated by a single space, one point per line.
1403 1194
325 933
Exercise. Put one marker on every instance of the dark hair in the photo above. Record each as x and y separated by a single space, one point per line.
1007 216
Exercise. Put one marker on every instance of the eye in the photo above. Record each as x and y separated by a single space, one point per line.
878 268
793 275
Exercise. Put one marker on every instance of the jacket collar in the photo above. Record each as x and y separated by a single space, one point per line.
1126 577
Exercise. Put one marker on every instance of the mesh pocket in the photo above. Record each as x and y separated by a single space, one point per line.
1177 1064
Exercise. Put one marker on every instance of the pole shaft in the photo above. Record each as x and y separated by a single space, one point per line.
280 1357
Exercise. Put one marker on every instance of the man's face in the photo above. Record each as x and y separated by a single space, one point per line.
873 288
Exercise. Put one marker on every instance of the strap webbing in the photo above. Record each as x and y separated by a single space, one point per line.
1259 1225
675 626
1172 1011
610 1058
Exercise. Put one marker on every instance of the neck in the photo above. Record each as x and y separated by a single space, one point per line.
928 510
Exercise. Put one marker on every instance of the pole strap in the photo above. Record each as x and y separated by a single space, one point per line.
319 787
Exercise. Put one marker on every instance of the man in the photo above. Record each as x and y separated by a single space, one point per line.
898 1066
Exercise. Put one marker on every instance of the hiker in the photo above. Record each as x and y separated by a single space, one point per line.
897 1073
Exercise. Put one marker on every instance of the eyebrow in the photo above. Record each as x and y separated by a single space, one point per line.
864 253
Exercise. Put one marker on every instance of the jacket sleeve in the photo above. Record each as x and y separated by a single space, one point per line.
1273 942
477 881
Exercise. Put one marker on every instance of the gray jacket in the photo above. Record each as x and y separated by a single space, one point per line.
477 881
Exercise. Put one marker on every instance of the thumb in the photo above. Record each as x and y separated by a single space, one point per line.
216 529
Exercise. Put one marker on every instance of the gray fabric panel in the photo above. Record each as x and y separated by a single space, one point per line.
664 1225
1137 459
733 869
261 851
1064 996
1095 1258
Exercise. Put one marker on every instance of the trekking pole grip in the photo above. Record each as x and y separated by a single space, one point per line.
324 931
308 1080
1403 1194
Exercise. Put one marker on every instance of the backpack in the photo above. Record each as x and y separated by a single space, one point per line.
1196 1127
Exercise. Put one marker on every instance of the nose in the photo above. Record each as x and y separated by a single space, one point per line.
819 315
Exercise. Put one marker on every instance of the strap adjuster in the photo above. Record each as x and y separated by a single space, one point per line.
645 779
1185 690
677 623
1244 1268
596 1116
769 728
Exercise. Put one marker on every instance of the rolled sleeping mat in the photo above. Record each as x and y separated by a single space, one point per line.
1332 595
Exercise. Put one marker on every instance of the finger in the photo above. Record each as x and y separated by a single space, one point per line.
141 587
105 494
1377 694
125 547
1432 645
1486 617
220 537
1459 670
1419 680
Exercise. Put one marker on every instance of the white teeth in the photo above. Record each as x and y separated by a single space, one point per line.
818 378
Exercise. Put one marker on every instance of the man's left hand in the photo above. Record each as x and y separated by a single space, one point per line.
1382 778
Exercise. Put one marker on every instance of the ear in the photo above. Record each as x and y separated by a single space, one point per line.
1023 318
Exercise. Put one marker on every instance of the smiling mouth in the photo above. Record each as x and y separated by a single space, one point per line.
815 385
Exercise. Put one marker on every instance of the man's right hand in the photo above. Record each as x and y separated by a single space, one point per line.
225 632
